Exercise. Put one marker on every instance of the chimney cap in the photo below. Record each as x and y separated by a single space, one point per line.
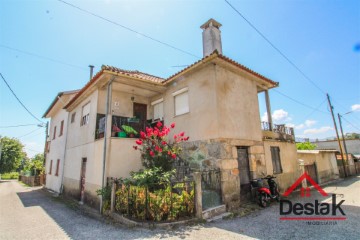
211 22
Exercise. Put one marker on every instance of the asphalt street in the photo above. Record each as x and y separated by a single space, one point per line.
32 213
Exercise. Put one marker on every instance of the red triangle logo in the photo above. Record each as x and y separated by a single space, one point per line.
298 182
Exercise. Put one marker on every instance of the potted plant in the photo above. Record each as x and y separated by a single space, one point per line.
130 132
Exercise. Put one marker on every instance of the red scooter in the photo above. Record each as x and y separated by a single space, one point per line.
264 194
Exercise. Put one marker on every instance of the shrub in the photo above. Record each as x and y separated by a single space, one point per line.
10 175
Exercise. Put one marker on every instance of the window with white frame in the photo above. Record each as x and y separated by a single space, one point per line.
85 114
181 100
158 107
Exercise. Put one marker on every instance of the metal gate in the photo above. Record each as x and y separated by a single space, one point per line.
311 171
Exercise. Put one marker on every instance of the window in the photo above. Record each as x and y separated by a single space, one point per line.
181 100
73 117
85 114
61 128
50 167
158 106
54 136
57 167
275 156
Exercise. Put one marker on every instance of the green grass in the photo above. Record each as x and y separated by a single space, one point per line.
10 175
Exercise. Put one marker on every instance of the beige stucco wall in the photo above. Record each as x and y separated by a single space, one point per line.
121 104
201 122
289 163
123 158
325 161
57 150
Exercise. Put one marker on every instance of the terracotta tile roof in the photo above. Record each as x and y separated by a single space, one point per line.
162 81
135 74
216 54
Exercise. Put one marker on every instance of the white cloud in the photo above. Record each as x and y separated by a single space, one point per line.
355 107
318 130
309 123
278 116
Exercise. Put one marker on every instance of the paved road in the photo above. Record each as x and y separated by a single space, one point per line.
31 213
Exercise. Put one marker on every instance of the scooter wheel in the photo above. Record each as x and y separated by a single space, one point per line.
263 200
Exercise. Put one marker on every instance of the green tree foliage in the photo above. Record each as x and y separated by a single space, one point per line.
305 146
35 164
11 154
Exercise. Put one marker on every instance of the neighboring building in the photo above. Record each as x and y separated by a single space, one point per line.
214 100
321 165
56 140
353 149
352 145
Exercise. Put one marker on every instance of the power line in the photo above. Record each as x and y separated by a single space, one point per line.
42 57
277 49
129 29
19 99
27 134
350 123
316 109
23 125
303 104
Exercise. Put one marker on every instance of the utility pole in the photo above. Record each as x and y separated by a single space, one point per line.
343 138
46 137
337 133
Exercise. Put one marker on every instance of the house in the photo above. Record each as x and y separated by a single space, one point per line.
353 148
56 140
321 165
214 100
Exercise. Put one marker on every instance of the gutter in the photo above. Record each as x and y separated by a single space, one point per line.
108 97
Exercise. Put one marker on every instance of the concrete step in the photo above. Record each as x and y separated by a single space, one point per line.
215 211
221 216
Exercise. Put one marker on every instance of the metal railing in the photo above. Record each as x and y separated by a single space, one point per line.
163 202
278 128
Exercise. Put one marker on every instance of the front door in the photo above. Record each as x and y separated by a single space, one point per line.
82 179
244 169
140 112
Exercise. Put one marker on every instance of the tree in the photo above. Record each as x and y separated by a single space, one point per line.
11 154
305 146
35 164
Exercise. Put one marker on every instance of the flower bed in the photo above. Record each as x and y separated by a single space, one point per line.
170 202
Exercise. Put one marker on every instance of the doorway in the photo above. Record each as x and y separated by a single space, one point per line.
244 170
140 112
82 179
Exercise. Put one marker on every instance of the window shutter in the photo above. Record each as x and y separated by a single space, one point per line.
181 103
86 109
159 110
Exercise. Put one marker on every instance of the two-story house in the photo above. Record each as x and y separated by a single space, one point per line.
214 100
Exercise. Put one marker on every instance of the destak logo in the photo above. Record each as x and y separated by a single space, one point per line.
313 210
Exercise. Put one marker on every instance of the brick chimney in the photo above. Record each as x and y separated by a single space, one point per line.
211 37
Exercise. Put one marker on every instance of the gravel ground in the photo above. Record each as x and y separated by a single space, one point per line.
32 213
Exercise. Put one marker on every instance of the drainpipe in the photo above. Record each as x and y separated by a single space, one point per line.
108 98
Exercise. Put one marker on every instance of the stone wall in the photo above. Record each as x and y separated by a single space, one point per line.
222 153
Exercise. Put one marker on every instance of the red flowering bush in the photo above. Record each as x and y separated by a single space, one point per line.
156 150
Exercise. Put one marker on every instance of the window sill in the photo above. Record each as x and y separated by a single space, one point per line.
181 114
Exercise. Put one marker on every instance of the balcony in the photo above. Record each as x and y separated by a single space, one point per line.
277 132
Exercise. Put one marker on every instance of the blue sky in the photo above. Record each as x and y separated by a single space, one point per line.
320 37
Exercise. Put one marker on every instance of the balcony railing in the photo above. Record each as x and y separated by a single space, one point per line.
281 132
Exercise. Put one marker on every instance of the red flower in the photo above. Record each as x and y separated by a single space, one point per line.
175 136
173 156
163 143
158 149
159 124
152 153
181 134
172 125
187 138
169 153
142 135
138 142
135 147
